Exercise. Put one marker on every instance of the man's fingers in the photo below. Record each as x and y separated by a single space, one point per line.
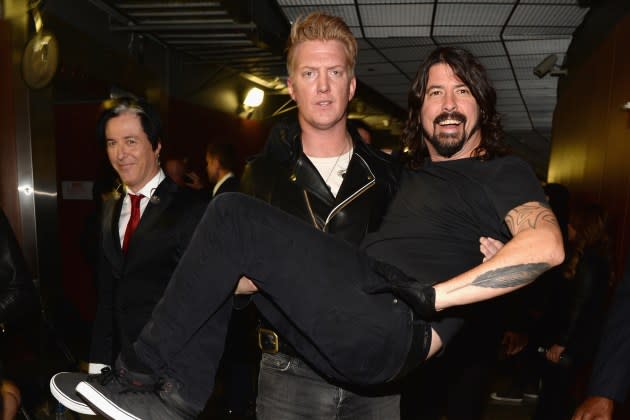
489 247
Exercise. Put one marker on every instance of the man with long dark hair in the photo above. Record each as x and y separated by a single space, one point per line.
352 317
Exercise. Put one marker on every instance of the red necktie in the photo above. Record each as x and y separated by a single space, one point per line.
134 219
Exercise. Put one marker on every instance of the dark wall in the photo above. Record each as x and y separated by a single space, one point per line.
8 168
191 127
591 132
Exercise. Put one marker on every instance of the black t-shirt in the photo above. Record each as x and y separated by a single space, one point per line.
432 228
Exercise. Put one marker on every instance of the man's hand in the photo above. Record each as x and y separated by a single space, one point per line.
195 181
554 353
245 287
489 246
595 408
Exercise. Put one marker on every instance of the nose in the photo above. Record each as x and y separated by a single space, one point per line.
322 82
449 104
121 152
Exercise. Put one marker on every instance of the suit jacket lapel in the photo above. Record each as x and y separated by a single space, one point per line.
158 203
110 231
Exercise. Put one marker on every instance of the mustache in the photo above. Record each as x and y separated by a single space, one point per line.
449 116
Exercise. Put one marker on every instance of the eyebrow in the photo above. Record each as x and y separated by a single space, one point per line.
443 87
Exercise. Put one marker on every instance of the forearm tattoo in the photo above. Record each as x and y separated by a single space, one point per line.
513 276
529 216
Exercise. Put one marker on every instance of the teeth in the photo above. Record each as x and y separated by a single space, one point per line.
449 122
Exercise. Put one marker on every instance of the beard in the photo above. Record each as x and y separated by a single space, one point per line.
447 144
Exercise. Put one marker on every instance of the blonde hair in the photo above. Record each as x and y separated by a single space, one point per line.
319 26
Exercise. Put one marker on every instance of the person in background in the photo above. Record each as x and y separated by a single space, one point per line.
363 129
144 231
18 298
610 375
239 364
175 168
578 312
221 168
526 326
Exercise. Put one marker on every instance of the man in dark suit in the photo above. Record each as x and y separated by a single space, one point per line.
238 366
610 380
220 167
144 232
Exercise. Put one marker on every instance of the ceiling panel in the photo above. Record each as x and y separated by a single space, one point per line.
347 11
397 31
397 15
561 16
538 46
472 15
399 42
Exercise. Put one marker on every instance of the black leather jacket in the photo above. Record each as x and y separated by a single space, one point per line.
17 291
284 177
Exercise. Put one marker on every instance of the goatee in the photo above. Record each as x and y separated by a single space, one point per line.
448 144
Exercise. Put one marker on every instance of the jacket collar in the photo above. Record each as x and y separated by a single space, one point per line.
159 202
285 145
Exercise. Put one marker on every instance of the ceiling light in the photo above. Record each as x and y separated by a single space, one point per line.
254 97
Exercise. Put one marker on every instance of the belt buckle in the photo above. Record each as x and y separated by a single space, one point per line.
272 338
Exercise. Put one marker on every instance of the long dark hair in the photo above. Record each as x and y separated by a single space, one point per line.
467 68
592 232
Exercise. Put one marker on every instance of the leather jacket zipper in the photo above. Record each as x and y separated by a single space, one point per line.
341 205
310 210
347 201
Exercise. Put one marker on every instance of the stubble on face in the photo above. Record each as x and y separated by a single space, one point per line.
321 84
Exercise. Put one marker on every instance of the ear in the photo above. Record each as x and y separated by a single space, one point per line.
353 88
290 88
157 150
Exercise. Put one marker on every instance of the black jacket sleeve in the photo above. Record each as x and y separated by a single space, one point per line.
18 296
610 377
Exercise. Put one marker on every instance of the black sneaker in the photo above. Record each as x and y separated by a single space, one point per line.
119 401
62 387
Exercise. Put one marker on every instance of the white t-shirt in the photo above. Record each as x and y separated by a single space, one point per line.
332 169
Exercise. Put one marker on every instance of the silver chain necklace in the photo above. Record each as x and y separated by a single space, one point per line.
341 171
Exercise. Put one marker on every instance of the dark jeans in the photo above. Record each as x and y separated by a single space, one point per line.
288 389
311 290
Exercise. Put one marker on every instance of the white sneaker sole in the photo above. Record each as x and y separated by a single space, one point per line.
497 398
102 404
70 404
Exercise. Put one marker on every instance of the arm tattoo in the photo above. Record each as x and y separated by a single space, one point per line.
512 276
529 216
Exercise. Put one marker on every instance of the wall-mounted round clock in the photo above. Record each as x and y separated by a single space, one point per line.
40 60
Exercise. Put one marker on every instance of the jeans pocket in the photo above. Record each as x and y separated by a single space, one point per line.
275 362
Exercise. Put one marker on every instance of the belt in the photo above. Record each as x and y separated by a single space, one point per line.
270 342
